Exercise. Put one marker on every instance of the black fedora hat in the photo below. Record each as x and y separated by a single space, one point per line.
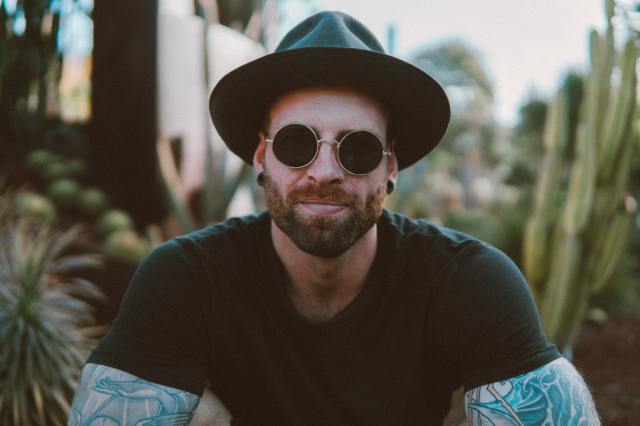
327 49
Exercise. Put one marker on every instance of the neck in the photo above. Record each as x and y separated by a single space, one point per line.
321 287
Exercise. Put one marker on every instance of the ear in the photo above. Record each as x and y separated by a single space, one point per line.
258 155
392 167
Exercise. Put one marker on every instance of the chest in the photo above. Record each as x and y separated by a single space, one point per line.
367 365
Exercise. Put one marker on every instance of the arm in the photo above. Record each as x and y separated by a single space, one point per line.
554 394
108 395
157 349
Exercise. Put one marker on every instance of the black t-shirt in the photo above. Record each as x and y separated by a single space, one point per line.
439 310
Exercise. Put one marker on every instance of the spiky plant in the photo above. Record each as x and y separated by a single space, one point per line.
45 327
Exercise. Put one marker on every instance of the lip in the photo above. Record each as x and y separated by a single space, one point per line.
321 201
323 207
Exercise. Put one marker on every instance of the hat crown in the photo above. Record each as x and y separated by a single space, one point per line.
331 49
330 29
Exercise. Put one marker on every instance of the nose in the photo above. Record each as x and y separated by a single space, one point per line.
325 168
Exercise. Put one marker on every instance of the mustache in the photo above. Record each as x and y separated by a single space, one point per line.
321 192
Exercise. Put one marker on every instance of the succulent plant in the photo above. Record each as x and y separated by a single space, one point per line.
579 226
64 192
112 220
46 323
92 202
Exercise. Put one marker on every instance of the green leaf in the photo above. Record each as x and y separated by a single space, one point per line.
43 338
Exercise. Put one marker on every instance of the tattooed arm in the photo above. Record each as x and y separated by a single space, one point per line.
111 396
553 394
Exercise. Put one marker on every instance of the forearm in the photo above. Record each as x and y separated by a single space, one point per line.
120 398
553 394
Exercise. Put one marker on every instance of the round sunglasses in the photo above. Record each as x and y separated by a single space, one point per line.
358 152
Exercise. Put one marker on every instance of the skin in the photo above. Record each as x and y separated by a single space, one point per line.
320 286
554 394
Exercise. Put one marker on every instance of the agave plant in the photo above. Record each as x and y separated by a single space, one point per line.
46 325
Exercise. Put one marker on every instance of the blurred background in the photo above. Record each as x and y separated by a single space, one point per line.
106 150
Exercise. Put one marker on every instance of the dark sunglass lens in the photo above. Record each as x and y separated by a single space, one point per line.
294 145
360 152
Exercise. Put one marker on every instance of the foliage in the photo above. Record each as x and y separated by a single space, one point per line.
30 68
533 115
45 320
443 180
459 68
582 215
456 64
526 140
57 192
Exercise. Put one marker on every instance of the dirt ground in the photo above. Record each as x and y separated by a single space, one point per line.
608 356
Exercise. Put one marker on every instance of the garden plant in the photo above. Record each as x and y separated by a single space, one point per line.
46 321
582 211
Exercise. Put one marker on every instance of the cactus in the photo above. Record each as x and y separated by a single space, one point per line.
535 240
562 280
582 182
608 254
618 117
572 253
545 202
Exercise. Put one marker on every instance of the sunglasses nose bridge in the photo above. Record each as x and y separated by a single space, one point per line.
331 141
325 162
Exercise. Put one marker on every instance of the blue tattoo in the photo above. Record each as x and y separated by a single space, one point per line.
112 397
554 394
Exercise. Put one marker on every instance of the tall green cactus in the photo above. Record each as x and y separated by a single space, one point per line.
578 229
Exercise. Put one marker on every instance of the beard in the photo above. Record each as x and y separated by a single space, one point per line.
323 236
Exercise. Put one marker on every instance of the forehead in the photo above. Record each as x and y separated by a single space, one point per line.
328 108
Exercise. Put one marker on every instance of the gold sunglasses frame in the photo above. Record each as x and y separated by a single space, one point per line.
385 152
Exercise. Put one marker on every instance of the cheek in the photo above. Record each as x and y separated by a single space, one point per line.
281 176
273 167
364 189
376 179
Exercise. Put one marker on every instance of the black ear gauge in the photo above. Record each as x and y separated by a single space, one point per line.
260 179
390 186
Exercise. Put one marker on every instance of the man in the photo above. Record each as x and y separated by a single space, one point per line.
328 310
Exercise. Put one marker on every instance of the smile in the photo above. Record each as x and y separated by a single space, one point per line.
323 207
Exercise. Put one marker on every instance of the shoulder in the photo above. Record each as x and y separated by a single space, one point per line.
187 260
406 227
445 250
233 233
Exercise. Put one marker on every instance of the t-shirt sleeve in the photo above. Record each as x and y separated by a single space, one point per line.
159 333
488 323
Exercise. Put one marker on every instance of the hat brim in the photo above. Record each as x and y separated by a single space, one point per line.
420 108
